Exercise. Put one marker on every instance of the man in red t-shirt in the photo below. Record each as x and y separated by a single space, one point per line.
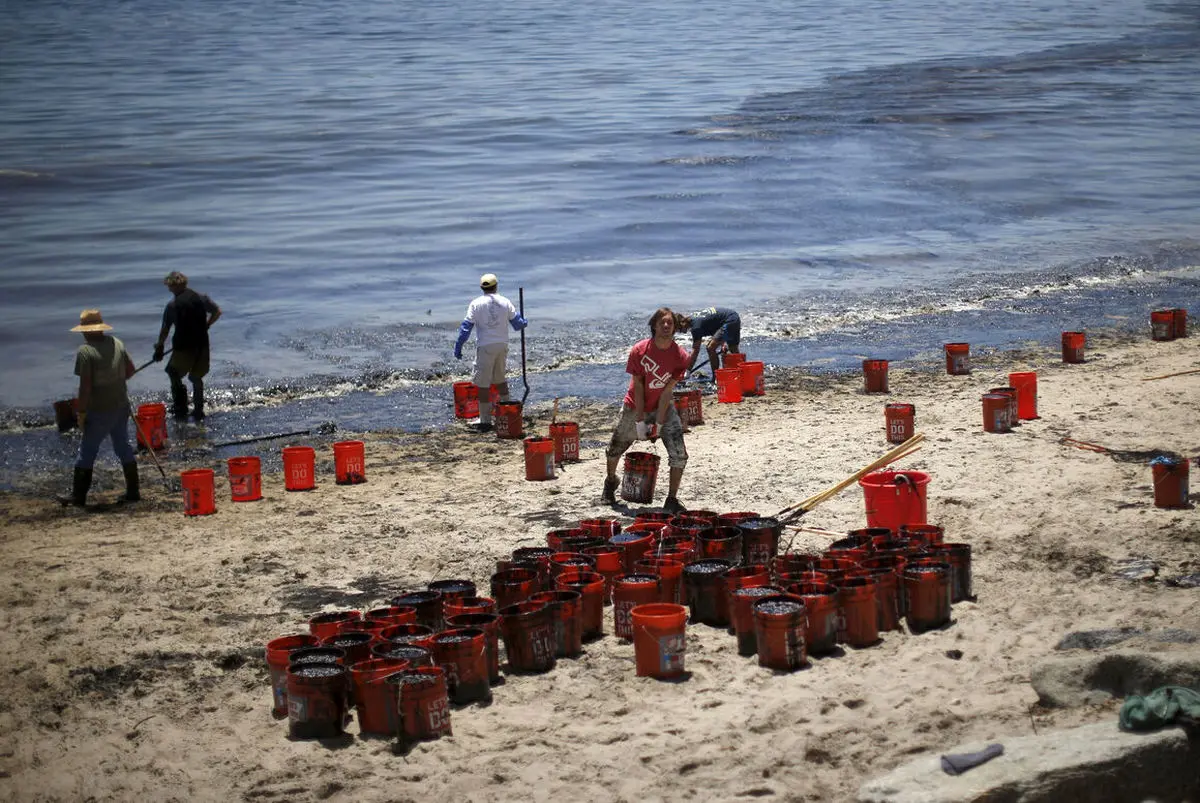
655 365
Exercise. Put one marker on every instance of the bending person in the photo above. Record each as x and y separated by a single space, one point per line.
721 325
655 365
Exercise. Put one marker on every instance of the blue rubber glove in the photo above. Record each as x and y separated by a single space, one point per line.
464 331
518 323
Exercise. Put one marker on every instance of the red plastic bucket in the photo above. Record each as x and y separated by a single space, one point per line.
859 611
779 630
539 458
695 407
752 378
641 472
151 426
898 421
324 625
245 479
565 435
729 385
741 614
995 412
350 463
887 597
489 623
393 615
566 620
466 400
452 589
528 636
198 495
355 643
634 545
508 420
959 558
958 358
463 654
513 585
928 534
704 587
299 468
1179 327
721 543
316 700
457 607
423 703
894 498
590 586
679 401
659 643
629 591
278 651
821 604
760 539
1014 418
373 698
927 591
1025 383
1170 482
610 562
1162 324
743 577
1072 346
428 603
669 572
875 376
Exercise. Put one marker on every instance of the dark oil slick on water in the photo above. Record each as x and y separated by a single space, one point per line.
874 179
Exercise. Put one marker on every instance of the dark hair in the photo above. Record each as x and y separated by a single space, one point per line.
658 313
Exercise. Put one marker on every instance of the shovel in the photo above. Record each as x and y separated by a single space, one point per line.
173 487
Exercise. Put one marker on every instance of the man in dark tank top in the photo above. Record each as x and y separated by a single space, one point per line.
191 314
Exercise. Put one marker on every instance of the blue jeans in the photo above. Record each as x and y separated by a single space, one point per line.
98 426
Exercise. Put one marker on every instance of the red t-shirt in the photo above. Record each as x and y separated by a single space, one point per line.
657 367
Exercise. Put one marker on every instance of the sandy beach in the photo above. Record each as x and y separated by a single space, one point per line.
133 660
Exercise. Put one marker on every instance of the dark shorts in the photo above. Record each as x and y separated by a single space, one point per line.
193 364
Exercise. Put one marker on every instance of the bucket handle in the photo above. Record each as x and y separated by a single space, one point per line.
902 479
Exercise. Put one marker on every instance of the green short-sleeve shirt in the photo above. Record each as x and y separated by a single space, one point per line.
104 362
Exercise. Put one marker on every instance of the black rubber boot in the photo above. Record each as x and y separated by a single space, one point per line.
179 400
80 485
197 399
132 490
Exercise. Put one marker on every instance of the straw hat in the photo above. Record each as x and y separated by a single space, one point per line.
488 281
90 321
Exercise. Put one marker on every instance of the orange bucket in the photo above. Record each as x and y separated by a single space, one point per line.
875 376
927 591
680 402
1014 418
528 636
151 426
590 586
729 385
1170 482
637 482
198 494
566 441
630 591
1162 324
508 420
695 407
1179 324
898 418
316 700
821 602
566 620
539 458
669 572
489 623
245 479
894 498
299 468
887 597
278 651
1072 346
858 607
350 464
658 639
752 378
734 360
511 586
374 699
463 654
466 400
995 412
779 630
958 358
423 703
1025 383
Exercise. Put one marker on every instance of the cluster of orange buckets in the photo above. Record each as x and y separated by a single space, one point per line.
245 476
406 666
739 378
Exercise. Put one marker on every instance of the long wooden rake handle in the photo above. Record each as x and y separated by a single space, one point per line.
800 508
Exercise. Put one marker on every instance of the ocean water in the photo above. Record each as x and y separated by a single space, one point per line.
868 178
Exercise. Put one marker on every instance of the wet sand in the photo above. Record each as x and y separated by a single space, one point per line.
133 661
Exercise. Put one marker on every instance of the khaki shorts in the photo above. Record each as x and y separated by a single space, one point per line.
193 364
671 435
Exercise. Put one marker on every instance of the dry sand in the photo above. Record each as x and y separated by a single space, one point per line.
132 665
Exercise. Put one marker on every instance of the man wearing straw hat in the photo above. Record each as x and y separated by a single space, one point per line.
103 366
490 312
191 314
655 365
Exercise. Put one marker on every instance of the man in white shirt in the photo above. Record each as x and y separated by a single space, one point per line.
490 312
